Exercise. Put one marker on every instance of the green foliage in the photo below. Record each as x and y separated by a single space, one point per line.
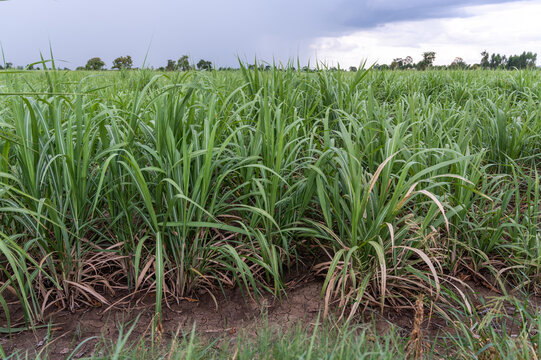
95 64
183 63
497 61
526 60
171 65
122 62
523 61
322 341
458 63
204 65
195 181
501 328
399 63
484 60
428 60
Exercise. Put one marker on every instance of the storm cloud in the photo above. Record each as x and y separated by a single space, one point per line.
214 30
370 13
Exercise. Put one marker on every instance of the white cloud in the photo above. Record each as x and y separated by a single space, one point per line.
507 28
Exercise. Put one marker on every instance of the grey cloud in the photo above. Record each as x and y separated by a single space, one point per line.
347 15
214 29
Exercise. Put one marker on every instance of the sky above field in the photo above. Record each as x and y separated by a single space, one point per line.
331 31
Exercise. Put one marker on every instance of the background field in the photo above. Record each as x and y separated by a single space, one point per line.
388 185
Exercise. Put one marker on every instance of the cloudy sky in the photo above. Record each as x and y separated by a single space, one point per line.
331 31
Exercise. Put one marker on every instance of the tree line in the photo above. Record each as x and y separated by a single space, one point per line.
526 60
126 63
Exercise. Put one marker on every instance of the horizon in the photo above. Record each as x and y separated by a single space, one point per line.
372 31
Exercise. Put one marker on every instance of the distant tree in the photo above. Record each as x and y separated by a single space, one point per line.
30 67
458 63
80 68
9 65
397 63
428 60
408 61
402 63
353 68
161 68
1 67
171 65
204 65
497 61
429 56
523 61
122 62
515 62
531 59
95 64
183 64
484 60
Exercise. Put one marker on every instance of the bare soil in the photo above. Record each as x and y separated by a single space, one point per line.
224 316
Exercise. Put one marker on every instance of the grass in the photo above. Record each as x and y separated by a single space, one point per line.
492 334
397 183
295 343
